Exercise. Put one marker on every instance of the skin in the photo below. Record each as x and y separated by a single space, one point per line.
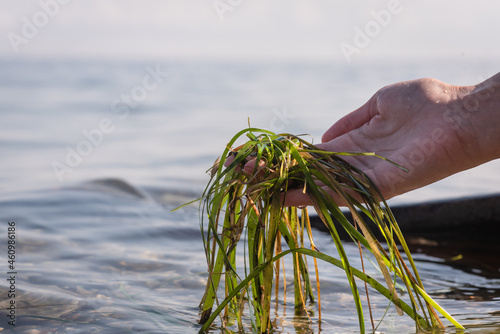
427 126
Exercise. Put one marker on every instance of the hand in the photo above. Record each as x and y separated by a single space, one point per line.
427 126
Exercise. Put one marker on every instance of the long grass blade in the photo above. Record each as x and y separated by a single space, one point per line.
235 203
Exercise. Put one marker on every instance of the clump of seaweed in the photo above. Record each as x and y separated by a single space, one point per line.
236 203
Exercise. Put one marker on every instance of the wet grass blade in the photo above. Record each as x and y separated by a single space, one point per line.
234 202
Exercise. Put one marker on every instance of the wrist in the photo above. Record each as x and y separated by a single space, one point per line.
479 117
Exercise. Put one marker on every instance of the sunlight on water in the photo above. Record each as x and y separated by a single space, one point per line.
98 261
99 250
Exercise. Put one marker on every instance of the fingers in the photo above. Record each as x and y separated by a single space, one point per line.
229 160
249 166
351 121
297 197
292 197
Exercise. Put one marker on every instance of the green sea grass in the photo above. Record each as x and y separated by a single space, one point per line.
246 210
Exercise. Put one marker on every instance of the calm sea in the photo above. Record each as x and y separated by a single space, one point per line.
95 154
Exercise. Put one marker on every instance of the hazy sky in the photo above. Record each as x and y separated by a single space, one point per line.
243 29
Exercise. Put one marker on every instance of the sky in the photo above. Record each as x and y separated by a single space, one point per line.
279 30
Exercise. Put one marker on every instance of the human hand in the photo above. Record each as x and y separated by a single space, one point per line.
424 125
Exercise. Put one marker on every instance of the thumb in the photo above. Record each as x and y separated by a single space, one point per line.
351 121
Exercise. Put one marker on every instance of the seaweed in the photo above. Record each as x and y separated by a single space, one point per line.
246 209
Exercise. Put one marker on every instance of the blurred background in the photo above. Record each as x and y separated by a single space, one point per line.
174 81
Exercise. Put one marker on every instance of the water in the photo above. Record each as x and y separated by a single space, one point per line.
97 248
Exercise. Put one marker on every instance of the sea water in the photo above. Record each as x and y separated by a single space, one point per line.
96 154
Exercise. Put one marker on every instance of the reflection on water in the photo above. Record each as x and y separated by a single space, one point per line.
108 258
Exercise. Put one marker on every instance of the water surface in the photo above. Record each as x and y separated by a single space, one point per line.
98 248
